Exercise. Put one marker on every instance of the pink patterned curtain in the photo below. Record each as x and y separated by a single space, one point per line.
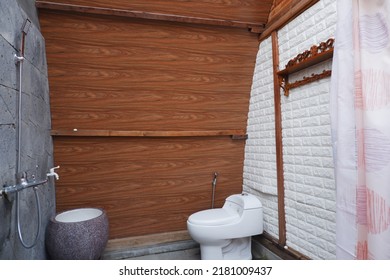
360 112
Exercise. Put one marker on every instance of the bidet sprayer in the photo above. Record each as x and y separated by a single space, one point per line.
214 183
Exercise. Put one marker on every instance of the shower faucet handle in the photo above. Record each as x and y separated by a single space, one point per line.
21 177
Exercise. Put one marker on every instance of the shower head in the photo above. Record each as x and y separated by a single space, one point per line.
26 26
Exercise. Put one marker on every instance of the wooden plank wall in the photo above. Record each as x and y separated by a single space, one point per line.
234 10
138 75
284 11
147 185
121 74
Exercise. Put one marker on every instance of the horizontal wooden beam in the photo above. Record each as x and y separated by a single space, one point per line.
255 27
236 134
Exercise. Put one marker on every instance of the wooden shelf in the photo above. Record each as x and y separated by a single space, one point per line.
234 134
307 63
255 27
315 55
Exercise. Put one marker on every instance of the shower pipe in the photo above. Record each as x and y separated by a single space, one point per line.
19 60
21 177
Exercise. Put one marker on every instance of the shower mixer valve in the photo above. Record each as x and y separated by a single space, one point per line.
22 183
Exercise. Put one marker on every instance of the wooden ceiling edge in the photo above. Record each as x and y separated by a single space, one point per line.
254 27
288 13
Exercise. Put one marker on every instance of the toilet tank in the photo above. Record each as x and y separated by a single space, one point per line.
250 210
244 200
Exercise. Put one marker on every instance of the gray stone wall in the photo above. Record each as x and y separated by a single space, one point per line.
36 146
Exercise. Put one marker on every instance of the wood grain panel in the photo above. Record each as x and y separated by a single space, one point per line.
115 75
277 9
255 27
239 10
283 12
146 185
278 140
176 76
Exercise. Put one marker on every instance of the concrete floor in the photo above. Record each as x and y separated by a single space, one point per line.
167 246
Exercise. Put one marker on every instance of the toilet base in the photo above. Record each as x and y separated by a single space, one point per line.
208 252
233 249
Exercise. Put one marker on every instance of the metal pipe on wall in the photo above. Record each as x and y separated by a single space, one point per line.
20 176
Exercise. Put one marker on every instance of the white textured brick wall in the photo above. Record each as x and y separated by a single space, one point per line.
315 25
260 160
308 164
308 171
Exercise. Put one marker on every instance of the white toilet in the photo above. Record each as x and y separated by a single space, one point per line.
225 233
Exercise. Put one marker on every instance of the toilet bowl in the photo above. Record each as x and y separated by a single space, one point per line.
225 233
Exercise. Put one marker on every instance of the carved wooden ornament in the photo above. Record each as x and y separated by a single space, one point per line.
308 58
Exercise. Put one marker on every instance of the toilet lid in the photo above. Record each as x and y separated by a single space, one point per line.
213 217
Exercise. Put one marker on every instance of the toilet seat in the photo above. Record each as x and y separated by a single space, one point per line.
213 217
